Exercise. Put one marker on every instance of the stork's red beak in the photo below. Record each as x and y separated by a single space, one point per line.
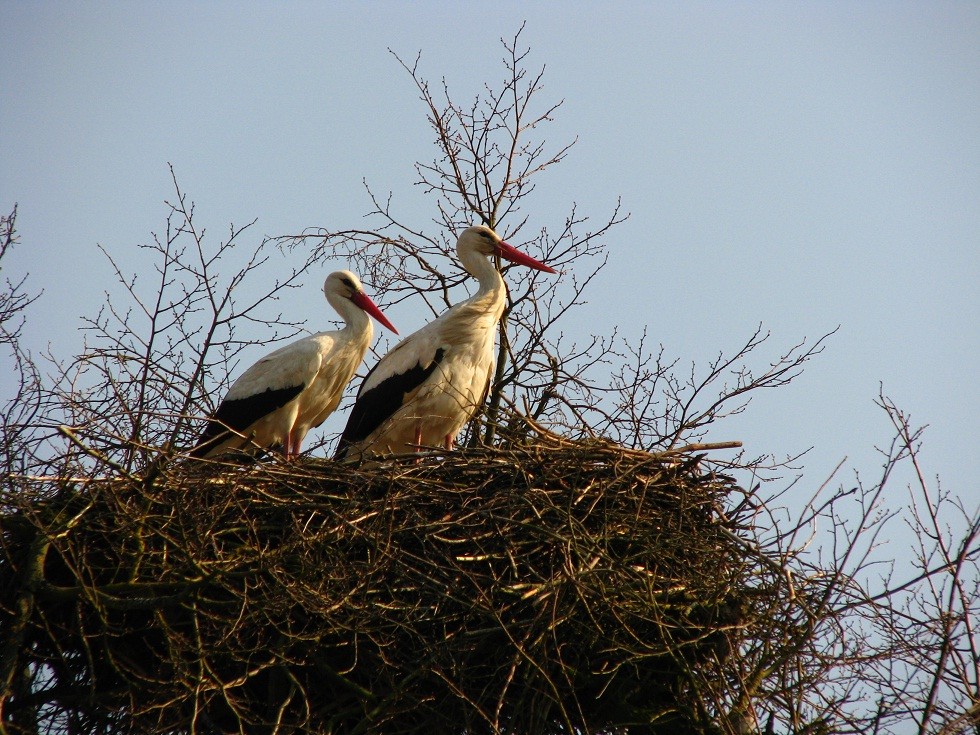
362 300
516 256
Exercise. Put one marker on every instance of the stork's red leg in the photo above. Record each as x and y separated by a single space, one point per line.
418 441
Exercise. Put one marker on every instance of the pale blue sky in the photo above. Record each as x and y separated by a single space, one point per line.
799 165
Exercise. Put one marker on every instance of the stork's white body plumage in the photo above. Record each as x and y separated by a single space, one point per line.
432 382
292 390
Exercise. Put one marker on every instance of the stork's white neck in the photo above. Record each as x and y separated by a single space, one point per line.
356 320
481 267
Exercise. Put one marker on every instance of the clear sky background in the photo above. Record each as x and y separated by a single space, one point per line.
799 165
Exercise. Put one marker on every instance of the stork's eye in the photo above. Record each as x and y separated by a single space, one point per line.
349 283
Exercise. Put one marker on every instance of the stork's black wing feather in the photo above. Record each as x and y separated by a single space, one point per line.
240 413
375 406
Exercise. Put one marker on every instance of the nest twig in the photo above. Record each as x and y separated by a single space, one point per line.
546 588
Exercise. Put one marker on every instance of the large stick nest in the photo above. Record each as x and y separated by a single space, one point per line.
549 588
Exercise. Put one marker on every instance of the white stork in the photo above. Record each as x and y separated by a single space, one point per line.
292 390
433 381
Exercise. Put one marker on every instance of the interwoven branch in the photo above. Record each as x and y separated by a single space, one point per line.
492 590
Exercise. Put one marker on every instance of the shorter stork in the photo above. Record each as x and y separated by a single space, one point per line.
292 390
434 381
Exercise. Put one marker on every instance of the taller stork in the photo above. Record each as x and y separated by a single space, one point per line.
434 381
292 390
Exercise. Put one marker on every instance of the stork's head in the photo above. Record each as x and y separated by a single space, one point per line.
481 239
346 285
